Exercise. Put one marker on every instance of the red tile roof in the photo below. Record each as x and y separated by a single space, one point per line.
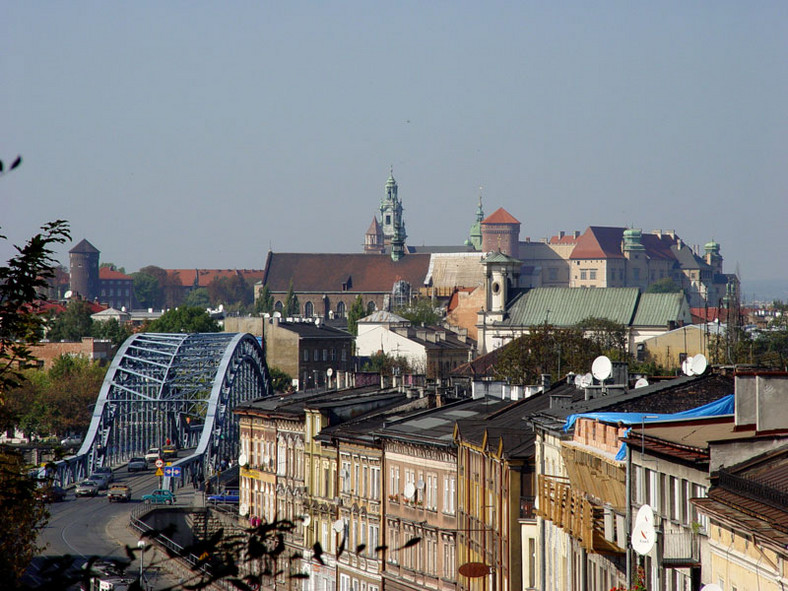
599 242
203 277
107 273
365 273
500 216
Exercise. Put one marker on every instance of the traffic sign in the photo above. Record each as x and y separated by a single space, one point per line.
159 472
172 471
159 463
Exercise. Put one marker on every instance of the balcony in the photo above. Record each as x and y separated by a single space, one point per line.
570 510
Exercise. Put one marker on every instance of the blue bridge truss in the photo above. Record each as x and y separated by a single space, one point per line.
177 387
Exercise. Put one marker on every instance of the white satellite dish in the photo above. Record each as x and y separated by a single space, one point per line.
641 383
578 381
243 509
242 460
339 526
643 533
586 380
686 367
277 314
420 484
306 520
602 368
699 364
68 294
329 372
410 490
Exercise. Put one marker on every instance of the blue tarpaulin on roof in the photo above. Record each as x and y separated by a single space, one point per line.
723 406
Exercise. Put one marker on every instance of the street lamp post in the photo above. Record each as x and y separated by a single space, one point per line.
141 545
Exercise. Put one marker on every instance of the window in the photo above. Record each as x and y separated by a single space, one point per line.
553 274
636 273
325 354
306 354
316 355
394 482
592 274
333 354
375 482
279 306
449 487
374 537
344 354
370 307
341 310
583 275
309 309
281 458
345 474
344 583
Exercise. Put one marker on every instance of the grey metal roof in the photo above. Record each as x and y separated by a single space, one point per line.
657 309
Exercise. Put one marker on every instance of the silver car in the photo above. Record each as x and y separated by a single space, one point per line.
87 488
100 479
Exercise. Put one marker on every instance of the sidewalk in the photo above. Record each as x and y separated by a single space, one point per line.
161 570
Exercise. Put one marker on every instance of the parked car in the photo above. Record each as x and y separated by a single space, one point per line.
100 480
160 496
87 488
71 441
136 464
152 454
229 496
53 493
107 472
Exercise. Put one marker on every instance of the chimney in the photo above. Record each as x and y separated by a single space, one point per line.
576 234
561 234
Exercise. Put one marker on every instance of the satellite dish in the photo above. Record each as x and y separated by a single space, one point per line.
410 490
68 294
329 372
641 383
586 380
339 526
306 520
699 364
242 460
243 509
686 367
602 368
643 534
578 381
277 314
420 484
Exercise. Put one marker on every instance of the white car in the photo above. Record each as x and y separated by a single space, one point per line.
152 454
136 464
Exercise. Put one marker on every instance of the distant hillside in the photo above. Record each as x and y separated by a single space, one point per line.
765 290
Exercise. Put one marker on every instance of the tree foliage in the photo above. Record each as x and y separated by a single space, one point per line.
421 312
21 280
386 365
24 515
665 285
186 319
73 324
58 401
265 301
198 298
292 306
111 330
558 351
280 381
230 291
147 289
354 314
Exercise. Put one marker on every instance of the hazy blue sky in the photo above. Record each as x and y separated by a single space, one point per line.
199 134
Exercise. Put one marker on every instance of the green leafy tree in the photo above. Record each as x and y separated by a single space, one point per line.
230 291
608 337
22 279
73 324
420 312
112 330
186 319
386 365
292 306
24 515
354 314
265 301
281 381
198 298
147 289
112 267
666 285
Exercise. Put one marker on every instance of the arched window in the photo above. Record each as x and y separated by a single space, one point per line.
341 310
370 307
279 306
309 309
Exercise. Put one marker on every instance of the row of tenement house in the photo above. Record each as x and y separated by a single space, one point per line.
499 493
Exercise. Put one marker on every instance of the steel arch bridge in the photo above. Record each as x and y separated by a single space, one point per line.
181 387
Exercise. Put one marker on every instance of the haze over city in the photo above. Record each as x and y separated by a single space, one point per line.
201 135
